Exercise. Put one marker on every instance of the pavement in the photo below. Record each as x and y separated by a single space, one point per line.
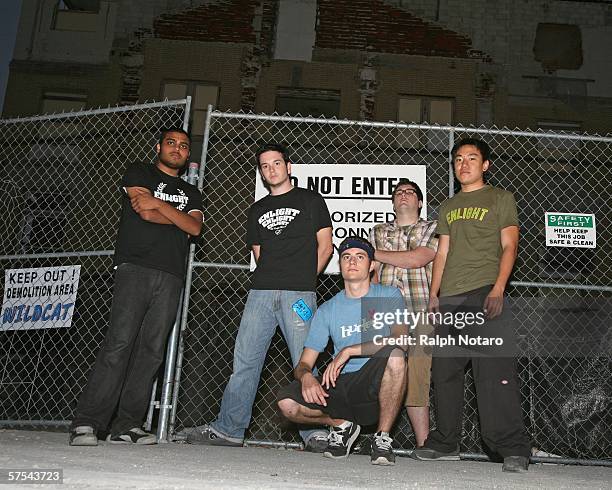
183 466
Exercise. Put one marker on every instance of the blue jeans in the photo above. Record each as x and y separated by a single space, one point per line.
144 308
264 310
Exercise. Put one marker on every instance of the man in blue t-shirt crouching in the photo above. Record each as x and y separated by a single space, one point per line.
365 382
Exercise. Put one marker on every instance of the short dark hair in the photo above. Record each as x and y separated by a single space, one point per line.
414 185
282 149
164 131
483 148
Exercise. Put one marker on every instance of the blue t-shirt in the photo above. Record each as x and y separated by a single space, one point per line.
350 321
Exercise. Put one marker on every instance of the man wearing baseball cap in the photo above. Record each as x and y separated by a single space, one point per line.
364 384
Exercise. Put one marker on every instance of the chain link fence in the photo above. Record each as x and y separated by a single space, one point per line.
560 296
60 204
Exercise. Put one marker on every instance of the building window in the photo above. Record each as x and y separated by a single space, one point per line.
76 15
558 47
556 153
79 5
54 102
45 222
431 110
202 94
308 102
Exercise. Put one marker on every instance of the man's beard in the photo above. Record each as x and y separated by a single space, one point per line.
177 165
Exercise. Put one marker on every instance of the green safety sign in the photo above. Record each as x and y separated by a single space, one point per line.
570 230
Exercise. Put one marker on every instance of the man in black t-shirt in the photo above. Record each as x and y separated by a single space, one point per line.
290 233
159 213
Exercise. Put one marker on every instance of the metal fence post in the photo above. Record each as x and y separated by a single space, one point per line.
188 281
166 394
451 169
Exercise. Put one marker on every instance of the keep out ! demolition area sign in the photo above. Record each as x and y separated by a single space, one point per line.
39 298
358 196
570 230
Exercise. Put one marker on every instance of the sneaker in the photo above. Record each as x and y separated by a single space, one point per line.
133 436
206 435
317 442
382 451
341 440
516 464
83 435
426 454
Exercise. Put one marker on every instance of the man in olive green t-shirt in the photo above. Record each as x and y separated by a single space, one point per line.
478 241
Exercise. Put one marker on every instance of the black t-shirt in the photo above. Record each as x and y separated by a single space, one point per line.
285 226
140 242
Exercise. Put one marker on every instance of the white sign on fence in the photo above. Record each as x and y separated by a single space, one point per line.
570 230
39 298
358 196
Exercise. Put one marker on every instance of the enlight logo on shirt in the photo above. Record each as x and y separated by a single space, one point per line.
278 219
180 198
466 213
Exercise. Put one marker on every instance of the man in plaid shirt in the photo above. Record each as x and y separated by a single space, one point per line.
405 249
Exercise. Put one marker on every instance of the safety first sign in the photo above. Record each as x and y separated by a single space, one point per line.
570 230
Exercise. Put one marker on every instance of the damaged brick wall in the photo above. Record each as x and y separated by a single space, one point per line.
259 53
372 25
228 21
131 61
368 86
368 26
248 22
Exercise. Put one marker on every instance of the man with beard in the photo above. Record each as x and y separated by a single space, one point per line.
159 213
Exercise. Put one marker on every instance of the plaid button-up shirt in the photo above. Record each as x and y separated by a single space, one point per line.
413 283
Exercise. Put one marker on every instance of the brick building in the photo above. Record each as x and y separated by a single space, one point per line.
528 64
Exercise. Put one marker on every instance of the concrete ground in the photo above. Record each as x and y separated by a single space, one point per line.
182 466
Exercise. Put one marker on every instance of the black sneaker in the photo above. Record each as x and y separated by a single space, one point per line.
206 435
83 435
132 436
341 440
516 464
317 443
427 454
382 451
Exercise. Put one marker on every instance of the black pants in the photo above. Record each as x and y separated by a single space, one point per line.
145 303
497 387
355 396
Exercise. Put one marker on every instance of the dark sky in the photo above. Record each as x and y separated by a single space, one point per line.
9 18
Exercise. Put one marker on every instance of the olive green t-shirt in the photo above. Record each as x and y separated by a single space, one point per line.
473 221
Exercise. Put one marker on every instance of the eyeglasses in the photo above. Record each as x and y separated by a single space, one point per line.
407 192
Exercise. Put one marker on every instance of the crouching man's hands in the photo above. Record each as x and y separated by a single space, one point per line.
312 391
335 367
